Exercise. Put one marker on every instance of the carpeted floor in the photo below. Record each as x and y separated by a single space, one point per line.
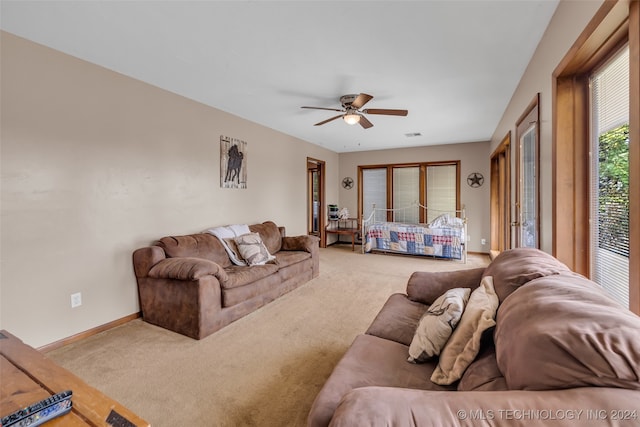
262 370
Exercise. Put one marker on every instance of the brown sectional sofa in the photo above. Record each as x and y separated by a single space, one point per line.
189 285
562 353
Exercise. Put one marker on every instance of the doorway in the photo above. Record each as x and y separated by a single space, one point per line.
315 198
527 224
501 197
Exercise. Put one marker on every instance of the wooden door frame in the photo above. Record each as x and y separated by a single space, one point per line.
320 166
501 197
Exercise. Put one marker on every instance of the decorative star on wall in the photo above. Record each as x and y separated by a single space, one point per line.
475 179
347 182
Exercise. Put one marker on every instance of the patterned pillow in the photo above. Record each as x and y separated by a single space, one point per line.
437 324
253 250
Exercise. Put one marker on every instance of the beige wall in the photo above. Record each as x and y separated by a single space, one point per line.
474 157
95 164
569 20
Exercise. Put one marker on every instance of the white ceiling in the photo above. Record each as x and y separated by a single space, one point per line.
453 64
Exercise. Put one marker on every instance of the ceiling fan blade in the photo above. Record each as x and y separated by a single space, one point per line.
362 99
386 111
364 122
328 120
322 108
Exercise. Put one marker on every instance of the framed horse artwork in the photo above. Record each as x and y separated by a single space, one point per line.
233 163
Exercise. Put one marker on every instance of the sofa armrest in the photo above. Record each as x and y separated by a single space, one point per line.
187 268
387 406
145 258
301 243
426 287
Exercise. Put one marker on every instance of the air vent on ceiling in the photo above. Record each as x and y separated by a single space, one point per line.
412 134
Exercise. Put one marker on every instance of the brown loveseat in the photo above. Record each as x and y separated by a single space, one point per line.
189 285
562 353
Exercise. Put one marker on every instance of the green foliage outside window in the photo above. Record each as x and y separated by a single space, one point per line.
613 197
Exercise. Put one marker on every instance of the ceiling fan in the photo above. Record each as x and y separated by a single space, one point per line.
352 113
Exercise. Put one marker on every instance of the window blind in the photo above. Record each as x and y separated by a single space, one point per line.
406 192
610 177
374 191
441 190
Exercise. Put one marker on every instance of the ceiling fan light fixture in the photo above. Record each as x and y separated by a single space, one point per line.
351 118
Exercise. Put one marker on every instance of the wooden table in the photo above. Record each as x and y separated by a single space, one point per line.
348 226
28 377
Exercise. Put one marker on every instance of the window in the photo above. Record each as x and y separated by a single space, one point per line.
610 177
441 189
435 185
406 192
614 25
374 190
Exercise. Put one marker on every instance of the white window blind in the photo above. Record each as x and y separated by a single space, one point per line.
374 191
406 193
441 190
610 177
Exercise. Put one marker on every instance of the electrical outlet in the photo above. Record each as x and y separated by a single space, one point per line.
483 241
76 300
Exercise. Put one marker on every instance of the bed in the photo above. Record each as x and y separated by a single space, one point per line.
442 237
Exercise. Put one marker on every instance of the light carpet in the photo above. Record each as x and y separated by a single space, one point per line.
262 370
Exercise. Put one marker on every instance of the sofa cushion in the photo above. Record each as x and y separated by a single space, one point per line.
186 268
586 407
437 324
513 268
253 250
427 286
244 275
200 245
464 344
564 331
370 361
304 243
398 319
256 294
287 258
270 235
295 265
483 374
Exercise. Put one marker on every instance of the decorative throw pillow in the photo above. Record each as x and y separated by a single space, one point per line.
464 344
253 250
437 324
226 235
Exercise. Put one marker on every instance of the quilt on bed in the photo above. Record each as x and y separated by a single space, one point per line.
415 239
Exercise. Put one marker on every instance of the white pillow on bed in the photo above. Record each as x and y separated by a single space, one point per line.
445 220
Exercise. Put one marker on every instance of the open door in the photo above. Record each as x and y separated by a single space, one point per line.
315 198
